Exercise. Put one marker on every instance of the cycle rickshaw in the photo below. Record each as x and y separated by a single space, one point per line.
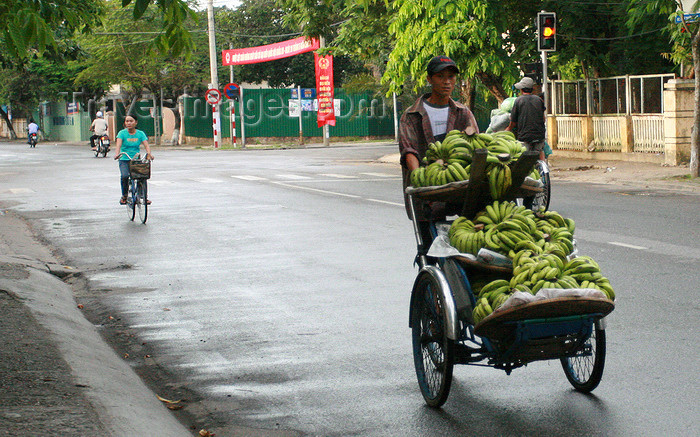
569 329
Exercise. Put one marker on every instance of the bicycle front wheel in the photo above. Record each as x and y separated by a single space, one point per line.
142 200
585 370
130 201
433 352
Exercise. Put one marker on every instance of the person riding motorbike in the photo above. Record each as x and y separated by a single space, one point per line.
99 127
32 129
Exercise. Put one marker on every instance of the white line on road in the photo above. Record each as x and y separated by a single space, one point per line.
249 177
339 176
380 175
630 246
292 176
207 180
386 201
317 190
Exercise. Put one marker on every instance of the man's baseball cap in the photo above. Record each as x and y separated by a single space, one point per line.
525 82
439 63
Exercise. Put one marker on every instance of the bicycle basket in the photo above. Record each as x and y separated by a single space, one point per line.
140 169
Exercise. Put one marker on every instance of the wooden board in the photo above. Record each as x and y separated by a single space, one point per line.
493 326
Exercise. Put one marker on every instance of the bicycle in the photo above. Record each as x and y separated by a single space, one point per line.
541 200
137 198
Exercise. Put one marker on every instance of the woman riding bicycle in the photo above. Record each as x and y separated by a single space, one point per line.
129 142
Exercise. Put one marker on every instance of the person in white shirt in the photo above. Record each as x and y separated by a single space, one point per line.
98 127
32 128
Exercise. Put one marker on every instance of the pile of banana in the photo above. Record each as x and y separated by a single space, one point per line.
450 160
507 228
534 272
539 244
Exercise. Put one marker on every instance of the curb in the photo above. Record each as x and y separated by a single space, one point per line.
121 400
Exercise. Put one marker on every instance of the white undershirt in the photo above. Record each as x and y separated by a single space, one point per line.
438 117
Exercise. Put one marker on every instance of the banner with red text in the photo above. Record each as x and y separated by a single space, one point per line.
324 89
270 52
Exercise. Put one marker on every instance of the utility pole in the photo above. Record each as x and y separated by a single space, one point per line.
213 62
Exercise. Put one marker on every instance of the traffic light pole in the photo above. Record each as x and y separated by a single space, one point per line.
545 94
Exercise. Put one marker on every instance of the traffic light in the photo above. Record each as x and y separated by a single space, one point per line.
546 31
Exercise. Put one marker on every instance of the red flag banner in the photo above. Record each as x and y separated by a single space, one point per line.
324 89
270 52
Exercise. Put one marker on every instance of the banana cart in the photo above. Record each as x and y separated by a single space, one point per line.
569 329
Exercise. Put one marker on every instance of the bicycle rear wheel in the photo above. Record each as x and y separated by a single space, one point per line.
142 200
433 352
585 370
541 200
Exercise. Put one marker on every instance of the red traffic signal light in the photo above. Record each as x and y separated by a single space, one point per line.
546 31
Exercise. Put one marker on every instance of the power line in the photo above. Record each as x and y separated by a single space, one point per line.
614 37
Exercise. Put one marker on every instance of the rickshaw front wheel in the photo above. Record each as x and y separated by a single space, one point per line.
433 352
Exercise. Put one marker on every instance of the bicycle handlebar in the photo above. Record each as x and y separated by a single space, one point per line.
135 157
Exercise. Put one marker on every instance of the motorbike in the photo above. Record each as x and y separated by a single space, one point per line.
33 139
102 146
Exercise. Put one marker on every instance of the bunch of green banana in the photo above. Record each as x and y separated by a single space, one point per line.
543 270
500 179
504 142
481 310
465 236
455 147
496 212
587 272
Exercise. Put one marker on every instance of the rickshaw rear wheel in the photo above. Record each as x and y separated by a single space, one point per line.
585 370
433 352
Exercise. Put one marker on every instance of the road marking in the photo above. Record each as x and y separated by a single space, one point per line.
21 190
352 196
207 180
386 202
292 176
339 176
630 246
248 178
380 175
160 182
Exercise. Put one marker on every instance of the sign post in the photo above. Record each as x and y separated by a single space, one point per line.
213 97
232 91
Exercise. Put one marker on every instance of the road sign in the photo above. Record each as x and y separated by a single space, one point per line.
688 18
213 96
232 91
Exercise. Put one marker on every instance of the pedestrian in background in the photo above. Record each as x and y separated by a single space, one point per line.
527 117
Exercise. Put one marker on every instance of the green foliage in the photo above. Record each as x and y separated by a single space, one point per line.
475 33
176 39
29 26
125 52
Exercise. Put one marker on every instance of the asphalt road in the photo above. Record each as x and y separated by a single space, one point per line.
270 289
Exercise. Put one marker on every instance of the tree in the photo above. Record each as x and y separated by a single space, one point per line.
124 52
686 41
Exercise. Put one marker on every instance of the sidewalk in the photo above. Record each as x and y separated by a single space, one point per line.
57 376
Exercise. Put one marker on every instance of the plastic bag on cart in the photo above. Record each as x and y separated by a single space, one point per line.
441 248
521 298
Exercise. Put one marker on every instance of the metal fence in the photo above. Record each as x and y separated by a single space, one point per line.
607 102
618 95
